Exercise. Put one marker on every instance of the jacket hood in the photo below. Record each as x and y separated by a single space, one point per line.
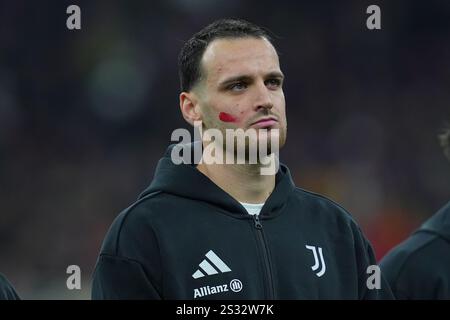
184 180
439 223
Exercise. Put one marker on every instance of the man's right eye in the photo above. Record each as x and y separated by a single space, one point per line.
238 86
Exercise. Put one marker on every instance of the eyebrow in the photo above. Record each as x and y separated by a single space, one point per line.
274 74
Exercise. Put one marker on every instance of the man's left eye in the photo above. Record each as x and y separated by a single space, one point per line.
273 82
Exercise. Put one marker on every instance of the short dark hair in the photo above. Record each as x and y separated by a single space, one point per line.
444 138
192 51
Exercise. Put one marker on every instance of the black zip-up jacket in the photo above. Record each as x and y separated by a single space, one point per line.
185 238
7 291
419 267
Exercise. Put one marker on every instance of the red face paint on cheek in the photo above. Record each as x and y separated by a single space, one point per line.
226 117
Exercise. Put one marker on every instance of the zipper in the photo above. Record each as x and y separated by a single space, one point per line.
265 252
258 224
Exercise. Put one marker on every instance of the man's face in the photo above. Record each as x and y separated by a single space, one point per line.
242 84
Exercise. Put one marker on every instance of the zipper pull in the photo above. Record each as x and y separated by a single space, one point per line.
258 224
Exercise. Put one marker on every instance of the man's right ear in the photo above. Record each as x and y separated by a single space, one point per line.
189 107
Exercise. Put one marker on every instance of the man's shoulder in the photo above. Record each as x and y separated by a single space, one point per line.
421 261
429 244
136 219
416 247
322 205
409 254
147 208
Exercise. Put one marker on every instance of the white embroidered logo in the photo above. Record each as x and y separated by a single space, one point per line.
316 260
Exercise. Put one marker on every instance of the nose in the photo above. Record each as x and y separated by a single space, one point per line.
263 98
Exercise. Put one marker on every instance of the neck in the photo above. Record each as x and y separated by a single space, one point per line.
243 182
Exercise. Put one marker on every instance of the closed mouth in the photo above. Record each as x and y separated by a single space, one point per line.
268 119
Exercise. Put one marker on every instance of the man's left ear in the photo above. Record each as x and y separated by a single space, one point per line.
189 107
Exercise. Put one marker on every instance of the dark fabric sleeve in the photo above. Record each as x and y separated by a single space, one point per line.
7 291
117 278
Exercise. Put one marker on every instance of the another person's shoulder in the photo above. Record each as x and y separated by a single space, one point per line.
413 267
418 267
7 291
407 252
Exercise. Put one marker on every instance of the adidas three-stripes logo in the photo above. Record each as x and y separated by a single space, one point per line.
207 266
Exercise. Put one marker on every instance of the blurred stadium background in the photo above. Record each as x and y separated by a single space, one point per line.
85 115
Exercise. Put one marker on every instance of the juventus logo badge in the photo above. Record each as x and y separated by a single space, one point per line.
316 260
